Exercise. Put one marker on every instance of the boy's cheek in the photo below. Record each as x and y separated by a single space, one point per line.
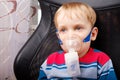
64 48
62 38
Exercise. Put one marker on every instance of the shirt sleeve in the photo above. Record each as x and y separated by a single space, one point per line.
106 72
42 75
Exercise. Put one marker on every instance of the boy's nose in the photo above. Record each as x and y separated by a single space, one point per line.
71 33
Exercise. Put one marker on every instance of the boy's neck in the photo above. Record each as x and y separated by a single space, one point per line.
83 54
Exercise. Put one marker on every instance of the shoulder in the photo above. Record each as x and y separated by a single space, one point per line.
95 56
102 57
56 58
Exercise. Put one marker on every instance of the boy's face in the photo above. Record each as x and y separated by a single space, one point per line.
75 30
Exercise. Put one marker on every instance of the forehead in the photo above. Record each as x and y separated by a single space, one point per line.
71 19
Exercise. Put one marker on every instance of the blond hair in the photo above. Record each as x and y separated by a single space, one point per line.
77 9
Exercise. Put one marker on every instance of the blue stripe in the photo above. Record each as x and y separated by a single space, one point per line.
60 41
60 51
42 75
56 68
96 50
99 66
49 67
87 66
82 65
94 64
87 38
110 76
107 72
56 64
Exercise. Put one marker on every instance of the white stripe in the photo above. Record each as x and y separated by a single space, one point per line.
107 66
57 66
107 72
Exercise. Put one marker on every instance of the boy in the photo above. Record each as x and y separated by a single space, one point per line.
75 29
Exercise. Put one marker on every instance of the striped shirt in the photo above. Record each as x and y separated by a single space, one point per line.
95 65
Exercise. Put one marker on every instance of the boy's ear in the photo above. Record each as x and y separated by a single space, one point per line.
94 33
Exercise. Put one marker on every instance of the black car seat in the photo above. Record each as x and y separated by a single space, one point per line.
44 40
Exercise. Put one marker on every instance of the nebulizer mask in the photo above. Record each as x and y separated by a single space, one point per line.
73 44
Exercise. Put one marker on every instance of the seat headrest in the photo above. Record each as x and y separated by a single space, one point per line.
93 3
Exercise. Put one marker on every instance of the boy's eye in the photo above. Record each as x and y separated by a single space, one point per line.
77 28
63 30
